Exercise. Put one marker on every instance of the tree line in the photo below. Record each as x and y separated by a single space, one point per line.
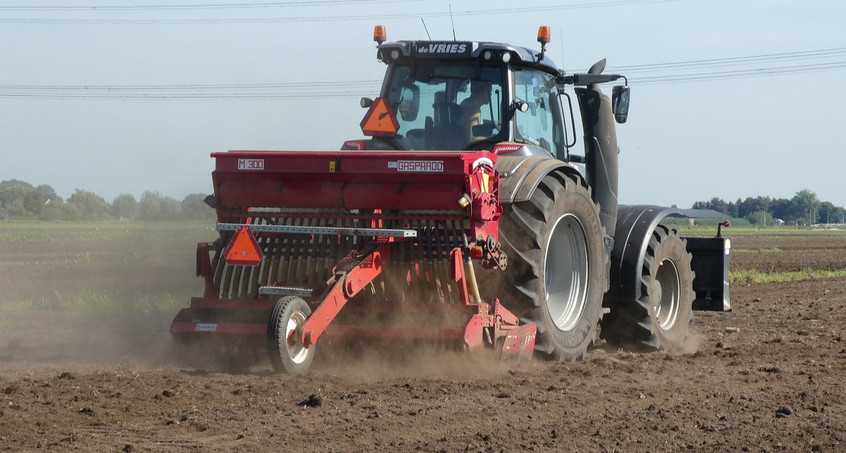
19 199
803 209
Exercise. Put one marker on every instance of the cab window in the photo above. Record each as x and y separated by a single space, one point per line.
541 123
445 106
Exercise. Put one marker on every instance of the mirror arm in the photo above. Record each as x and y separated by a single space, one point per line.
522 106
590 79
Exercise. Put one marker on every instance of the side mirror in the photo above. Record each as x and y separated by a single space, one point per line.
409 104
620 102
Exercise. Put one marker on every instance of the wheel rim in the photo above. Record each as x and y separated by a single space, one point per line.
566 272
666 294
293 329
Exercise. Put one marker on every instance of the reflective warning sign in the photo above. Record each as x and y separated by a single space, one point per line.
380 120
243 249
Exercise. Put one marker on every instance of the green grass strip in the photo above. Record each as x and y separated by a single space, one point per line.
756 276
18 231
708 231
766 250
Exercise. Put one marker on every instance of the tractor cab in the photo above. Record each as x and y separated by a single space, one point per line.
455 95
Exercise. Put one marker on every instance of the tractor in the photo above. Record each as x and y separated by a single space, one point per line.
466 218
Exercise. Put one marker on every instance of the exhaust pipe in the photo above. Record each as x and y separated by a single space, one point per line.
601 152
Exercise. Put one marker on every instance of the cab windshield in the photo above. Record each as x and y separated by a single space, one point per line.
446 106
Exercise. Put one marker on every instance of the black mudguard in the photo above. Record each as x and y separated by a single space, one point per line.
520 175
635 224
710 262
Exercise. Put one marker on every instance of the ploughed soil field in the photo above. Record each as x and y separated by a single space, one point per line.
77 375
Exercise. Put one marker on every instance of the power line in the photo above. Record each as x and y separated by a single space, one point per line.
762 65
194 6
266 86
185 97
739 74
718 62
293 90
652 74
341 18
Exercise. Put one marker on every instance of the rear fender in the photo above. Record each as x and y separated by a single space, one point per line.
521 175
710 258
635 224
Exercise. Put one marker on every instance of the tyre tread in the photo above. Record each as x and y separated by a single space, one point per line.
630 324
523 226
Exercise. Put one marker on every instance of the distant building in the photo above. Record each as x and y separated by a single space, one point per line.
693 214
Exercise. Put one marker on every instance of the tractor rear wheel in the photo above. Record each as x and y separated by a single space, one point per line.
557 262
284 334
660 319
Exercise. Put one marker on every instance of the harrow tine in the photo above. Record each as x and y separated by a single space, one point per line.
301 255
284 255
320 255
220 266
431 271
275 258
311 260
234 282
293 248
254 273
438 270
267 261
416 258
443 260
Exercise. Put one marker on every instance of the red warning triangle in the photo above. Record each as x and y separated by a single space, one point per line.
243 249
380 120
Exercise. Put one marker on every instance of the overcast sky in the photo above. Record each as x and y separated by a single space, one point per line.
730 98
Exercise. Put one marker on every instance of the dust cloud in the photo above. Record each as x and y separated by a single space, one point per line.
98 294
62 338
374 362
692 344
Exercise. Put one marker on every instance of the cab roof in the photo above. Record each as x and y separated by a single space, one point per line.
487 51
